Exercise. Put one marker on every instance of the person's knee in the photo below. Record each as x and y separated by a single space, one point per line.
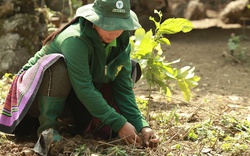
56 80
59 67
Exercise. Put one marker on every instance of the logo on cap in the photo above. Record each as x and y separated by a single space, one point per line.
119 7
119 4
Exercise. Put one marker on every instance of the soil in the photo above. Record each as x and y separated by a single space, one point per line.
223 90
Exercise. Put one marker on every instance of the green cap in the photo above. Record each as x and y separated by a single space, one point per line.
110 14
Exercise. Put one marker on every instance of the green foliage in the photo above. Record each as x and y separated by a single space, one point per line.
234 135
3 138
234 47
82 150
146 48
75 4
5 82
167 121
205 132
142 105
116 151
238 141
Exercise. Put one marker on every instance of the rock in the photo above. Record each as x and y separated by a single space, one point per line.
22 29
24 6
6 9
178 8
195 10
234 11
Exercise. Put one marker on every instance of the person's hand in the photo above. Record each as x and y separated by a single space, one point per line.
149 138
128 134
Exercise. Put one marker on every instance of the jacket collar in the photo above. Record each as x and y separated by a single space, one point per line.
88 30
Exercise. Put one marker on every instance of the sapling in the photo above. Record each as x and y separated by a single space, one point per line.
146 48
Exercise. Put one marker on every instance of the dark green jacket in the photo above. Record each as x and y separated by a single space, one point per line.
88 68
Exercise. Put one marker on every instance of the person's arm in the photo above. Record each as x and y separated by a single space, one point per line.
76 53
125 98
122 88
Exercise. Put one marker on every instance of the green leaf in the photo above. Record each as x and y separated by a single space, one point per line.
196 78
185 89
192 135
169 63
8 75
191 83
175 25
232 46
159 49
158 12
168 71
168 93
157 24
184 69
190 73
183 72
147 42
139 34
164 41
